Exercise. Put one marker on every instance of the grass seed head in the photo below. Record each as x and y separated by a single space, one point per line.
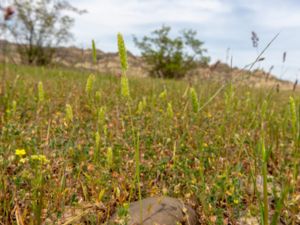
101 116
69 113
41 93
109 157
98 96
14 107
170 110
89 84
124 87
97 140
122 54
141 106
163 94
194 100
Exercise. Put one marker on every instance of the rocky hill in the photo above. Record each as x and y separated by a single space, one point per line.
106 62
109 63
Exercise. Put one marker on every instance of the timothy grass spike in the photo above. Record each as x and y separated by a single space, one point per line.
101 116
194 99
124 66
109 157
124 87
163 94
170 110
41 93
98 96
122 54
90 84
97 140
69 113
141 106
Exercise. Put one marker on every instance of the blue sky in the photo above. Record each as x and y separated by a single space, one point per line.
221 24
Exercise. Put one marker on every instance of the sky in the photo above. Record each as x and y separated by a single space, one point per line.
221 24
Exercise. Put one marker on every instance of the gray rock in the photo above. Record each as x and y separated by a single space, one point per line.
159 211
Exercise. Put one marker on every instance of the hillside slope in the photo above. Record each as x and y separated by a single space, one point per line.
108 63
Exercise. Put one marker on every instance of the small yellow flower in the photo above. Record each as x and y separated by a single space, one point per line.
209 115
236 201
194 180
20 152
205 145
23 160
40 158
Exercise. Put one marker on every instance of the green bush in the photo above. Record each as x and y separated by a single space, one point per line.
171 57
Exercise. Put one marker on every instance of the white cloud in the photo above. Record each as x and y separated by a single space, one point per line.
273 14
117 14
220 24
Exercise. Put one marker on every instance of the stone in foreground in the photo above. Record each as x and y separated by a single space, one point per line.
159 211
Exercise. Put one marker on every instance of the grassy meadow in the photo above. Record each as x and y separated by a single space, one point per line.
77 147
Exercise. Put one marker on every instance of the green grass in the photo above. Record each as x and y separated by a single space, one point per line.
210 158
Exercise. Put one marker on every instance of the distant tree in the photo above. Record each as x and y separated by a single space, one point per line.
39 26
172 57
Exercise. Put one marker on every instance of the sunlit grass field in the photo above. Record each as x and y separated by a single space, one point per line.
73 143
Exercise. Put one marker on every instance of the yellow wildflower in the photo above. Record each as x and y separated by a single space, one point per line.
194 180
20 152
23 160
40 158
